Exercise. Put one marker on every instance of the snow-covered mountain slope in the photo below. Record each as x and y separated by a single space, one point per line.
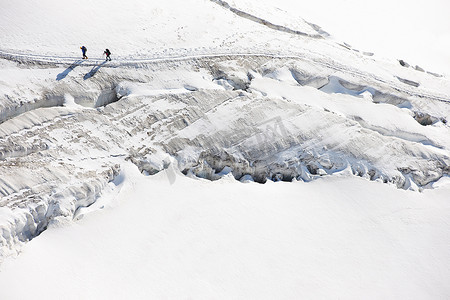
136 30
414 31
210 89
170 237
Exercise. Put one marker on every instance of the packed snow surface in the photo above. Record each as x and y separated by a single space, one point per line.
415 31
231 149
169 237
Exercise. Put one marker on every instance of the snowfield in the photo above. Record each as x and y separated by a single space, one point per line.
168 236
229 150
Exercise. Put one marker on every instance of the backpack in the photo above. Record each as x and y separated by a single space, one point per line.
107 52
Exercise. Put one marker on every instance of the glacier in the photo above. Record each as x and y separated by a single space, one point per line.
246 95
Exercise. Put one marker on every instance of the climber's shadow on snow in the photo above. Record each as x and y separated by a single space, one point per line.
93 71
63 75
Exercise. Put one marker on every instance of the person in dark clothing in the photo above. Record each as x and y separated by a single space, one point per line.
84 50
107 53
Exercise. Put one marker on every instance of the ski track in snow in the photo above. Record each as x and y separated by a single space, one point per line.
124 62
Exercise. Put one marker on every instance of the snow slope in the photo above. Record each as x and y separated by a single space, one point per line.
415 31
170 237
171 27
225 91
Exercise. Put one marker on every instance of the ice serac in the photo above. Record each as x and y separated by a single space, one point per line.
293 105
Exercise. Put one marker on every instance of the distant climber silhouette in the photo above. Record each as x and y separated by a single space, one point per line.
108 54
84 50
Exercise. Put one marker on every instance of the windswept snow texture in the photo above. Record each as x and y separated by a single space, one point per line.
334 237
414 31
242 93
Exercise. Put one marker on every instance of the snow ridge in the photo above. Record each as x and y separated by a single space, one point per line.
320 33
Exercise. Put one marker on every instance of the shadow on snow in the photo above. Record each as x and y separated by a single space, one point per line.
63 75
93 71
